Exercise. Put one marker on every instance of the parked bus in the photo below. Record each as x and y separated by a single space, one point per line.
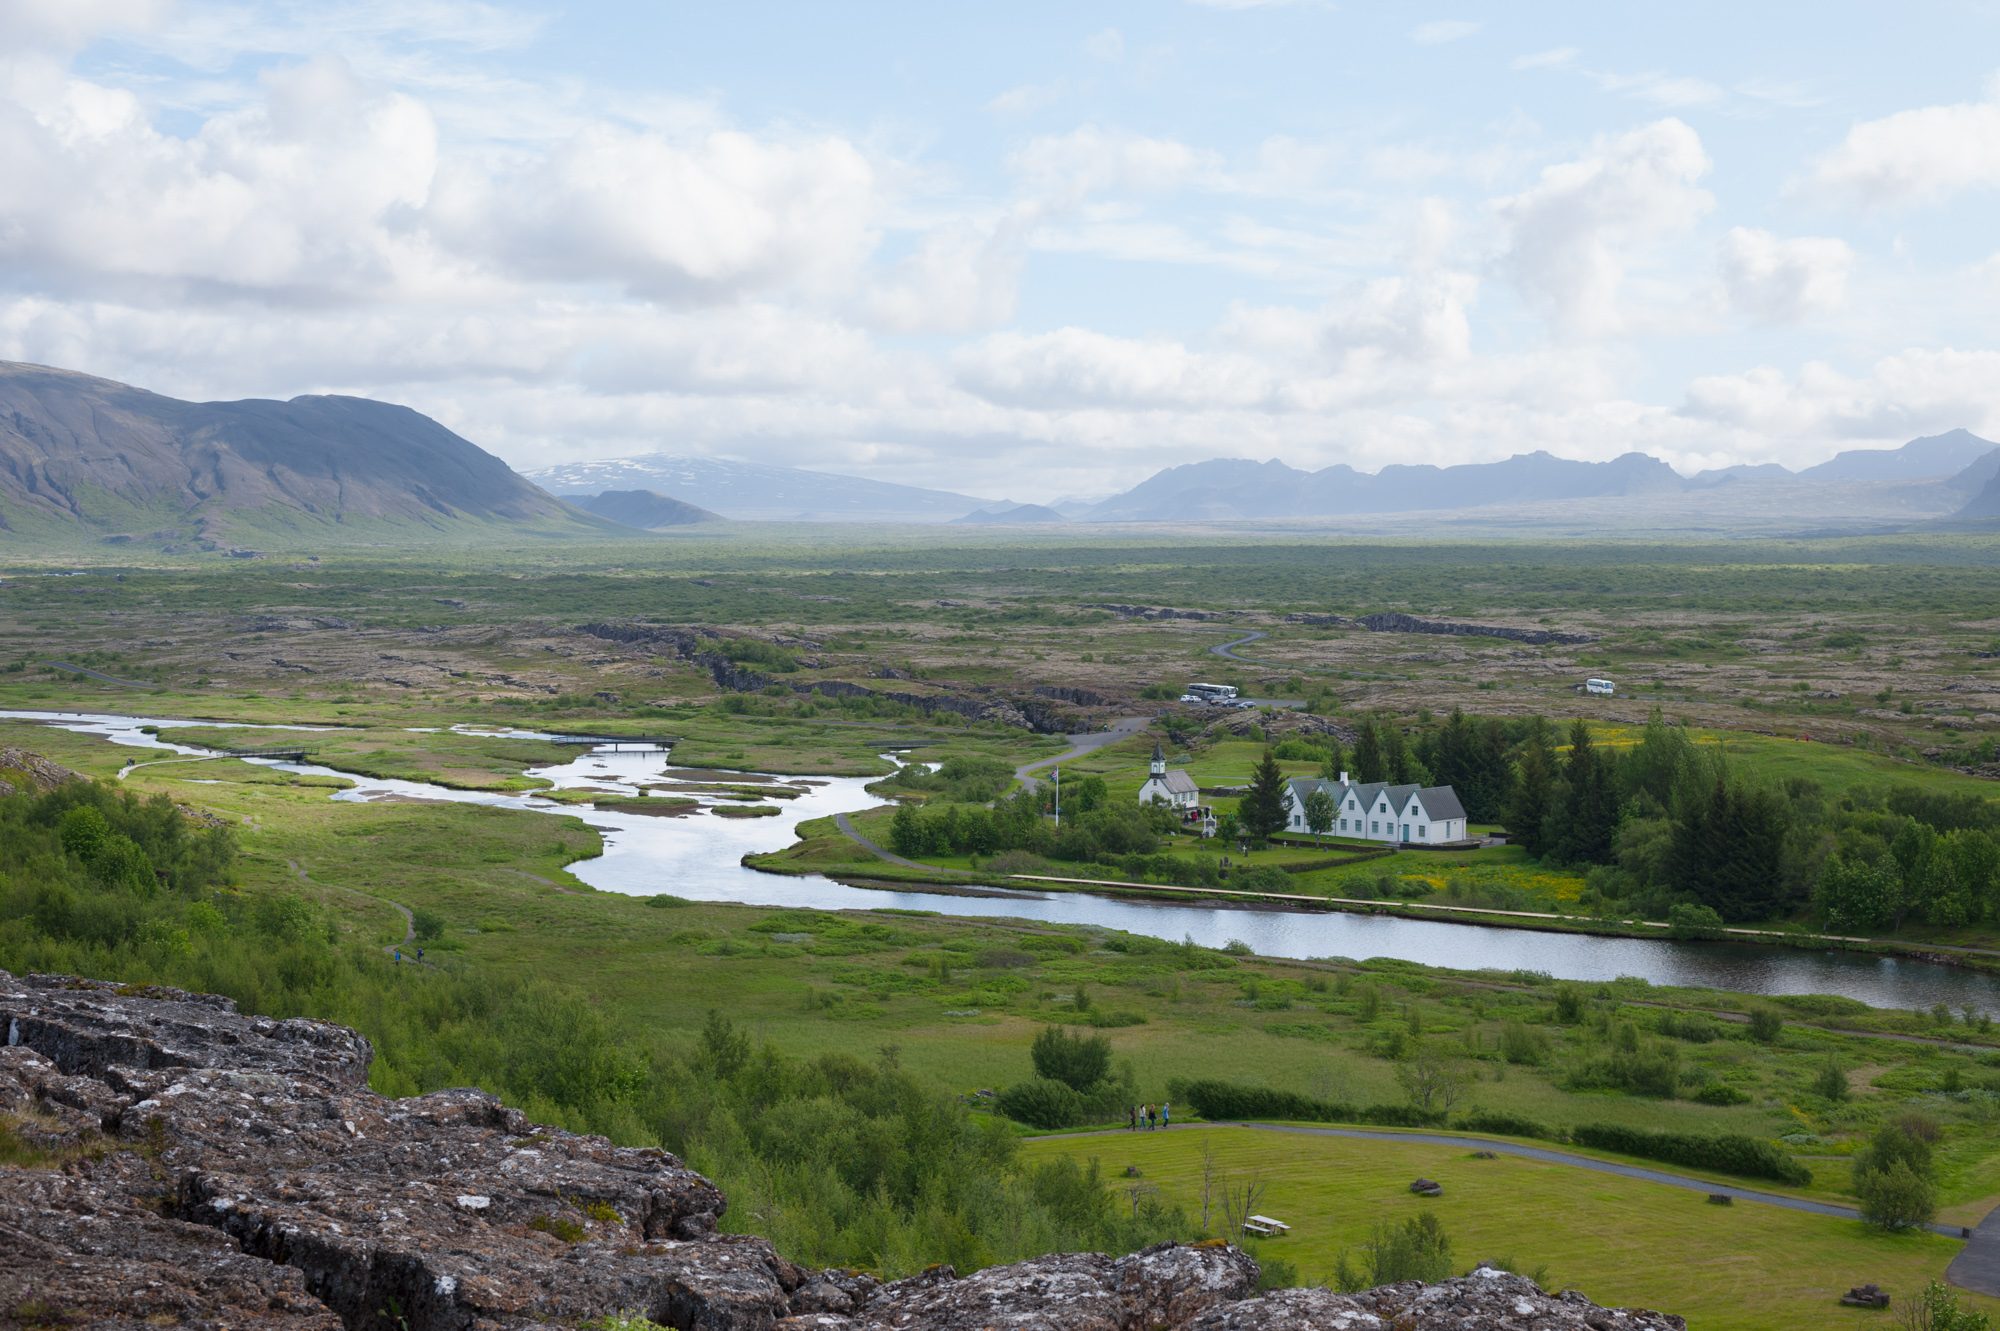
1604 686
1211 693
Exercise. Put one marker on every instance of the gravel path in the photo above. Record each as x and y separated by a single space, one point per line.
1555 1157
847 830
1123 728
1227 650
98 675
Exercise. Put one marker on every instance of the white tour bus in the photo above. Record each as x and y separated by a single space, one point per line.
1212 693
1599 686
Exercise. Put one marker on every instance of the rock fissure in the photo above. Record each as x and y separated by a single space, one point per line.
206 1169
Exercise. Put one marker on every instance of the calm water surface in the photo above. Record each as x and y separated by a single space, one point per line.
698 857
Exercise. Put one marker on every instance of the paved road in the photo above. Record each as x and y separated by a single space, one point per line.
1123 728
1977 1268
1227 650
98 675
888 856
1576 1161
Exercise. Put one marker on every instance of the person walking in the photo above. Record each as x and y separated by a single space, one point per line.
1131 1118
1166 1112
399 956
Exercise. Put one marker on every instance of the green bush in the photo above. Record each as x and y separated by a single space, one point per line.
1221 1101
1503 1124
1077 1061
1720 1093
1766 1025
1415 1249
1726 1154
1042 1103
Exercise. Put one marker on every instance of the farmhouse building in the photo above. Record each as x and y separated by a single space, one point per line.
1378 811
1175 789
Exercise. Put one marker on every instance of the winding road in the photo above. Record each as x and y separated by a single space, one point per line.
1227 650
99 675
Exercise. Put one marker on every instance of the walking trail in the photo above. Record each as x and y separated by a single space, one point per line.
1986 1238
1079 745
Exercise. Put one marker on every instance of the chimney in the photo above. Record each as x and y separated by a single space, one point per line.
1343 779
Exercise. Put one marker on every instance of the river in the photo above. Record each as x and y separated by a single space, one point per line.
698 857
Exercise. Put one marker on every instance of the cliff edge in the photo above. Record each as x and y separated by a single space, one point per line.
166 1160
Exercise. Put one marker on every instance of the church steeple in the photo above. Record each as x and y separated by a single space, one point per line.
1159 760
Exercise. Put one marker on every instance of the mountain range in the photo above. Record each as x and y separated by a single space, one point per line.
759 491
1928 477
81 455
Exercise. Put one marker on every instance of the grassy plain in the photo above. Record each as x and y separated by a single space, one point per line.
1854 662
1623 1242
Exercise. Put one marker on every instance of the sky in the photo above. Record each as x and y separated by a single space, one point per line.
1024 249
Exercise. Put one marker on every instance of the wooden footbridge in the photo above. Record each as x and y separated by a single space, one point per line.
279 752
617 743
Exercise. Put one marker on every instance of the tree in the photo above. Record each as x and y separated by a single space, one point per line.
1857 894
1335 763
1369 761
1431 1081
1320 809
1261 812
1399 764
1894 1176
1077 1061
1414 1249
1589 803
1532 803
1936 1309
1727 851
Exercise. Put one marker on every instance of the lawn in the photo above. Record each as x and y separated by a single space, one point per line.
1622 1242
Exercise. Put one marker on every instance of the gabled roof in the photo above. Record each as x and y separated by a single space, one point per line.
1441 802
1176 781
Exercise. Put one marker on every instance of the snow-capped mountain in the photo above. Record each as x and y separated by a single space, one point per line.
758 492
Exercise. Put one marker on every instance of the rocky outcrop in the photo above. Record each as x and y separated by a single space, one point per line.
1154 612
178 1163
22 769
1395 623
1487 1300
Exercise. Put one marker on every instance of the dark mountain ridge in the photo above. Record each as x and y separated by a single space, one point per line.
645 510
93 455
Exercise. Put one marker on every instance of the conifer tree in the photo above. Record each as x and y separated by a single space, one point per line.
1369 763
1261 813
1531 804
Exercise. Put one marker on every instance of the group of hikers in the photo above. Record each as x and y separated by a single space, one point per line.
1147 1117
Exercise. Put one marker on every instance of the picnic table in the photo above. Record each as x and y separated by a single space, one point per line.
1264 1226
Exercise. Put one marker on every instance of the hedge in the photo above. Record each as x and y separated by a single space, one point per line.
1728 1154
1504 1124
1221 1100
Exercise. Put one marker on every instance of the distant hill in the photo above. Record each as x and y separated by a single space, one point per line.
1933 456
645 510
1011 515
759 492
1985 504
1541 487
1234 488
87 456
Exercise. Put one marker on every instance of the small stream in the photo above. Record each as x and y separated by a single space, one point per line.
697 856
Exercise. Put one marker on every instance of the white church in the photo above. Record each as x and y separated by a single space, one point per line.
1175 789
1378 811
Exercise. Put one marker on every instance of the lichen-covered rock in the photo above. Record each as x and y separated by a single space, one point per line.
1487 1300
187 1165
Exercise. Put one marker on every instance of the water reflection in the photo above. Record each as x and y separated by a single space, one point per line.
699 856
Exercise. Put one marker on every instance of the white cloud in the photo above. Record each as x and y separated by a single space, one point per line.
1107 46
1674 92
704 219
1776 280
1073 367
1914 392
961 277
1575 233
1025 99
67 25
1437 32
1090 160
1556 57
1915 157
